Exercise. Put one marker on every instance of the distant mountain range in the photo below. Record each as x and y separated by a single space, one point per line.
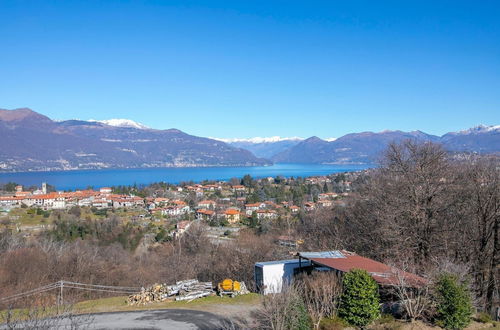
264 147
30 141
366 147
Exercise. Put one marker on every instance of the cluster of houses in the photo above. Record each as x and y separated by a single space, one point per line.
220 201
41 198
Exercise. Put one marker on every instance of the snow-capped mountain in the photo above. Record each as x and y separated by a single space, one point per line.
266 147
121 143
366 147
478 130
482 138
117 122
270 139
31 141
363 147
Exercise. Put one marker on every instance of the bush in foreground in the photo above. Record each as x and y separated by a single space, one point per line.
359 304
454 305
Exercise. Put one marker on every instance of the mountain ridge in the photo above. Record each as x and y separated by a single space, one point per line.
365 147
30 141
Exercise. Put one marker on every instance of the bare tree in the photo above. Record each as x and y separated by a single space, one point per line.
277 311
413 296
321 292
481 187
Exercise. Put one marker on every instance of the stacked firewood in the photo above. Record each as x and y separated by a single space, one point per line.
182 290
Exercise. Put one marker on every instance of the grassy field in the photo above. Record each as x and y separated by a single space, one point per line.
239 306
27 217
115 304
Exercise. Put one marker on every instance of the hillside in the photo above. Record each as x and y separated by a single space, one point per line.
30 141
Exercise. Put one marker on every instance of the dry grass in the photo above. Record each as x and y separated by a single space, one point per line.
240 306
211 303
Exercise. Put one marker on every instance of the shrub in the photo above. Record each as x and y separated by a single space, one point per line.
359 304
298 316
454 306
387 322
484 317
335 323
386 318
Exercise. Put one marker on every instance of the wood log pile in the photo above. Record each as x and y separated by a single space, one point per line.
182 290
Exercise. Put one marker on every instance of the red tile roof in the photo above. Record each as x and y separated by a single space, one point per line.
231 212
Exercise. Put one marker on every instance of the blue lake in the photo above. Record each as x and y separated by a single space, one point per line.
69 180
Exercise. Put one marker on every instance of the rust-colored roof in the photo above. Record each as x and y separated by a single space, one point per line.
11 198
206 212
381 273
253 205
52 195
231 212
23 193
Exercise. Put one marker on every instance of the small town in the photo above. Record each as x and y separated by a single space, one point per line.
176 207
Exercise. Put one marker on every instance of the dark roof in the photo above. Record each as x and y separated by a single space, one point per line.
381 273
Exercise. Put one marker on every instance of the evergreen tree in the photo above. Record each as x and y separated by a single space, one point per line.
247 181
10 186
254 220
359 304
454 305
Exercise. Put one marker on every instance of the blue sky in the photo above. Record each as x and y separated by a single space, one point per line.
256 68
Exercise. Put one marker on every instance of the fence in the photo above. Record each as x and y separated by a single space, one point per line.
61 285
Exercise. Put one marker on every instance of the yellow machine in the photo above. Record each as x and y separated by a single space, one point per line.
229 287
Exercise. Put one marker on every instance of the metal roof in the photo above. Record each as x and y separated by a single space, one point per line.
277 262
322 254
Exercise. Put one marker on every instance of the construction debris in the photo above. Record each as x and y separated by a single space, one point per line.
182 290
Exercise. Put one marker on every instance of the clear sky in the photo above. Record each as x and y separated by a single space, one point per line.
256 67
